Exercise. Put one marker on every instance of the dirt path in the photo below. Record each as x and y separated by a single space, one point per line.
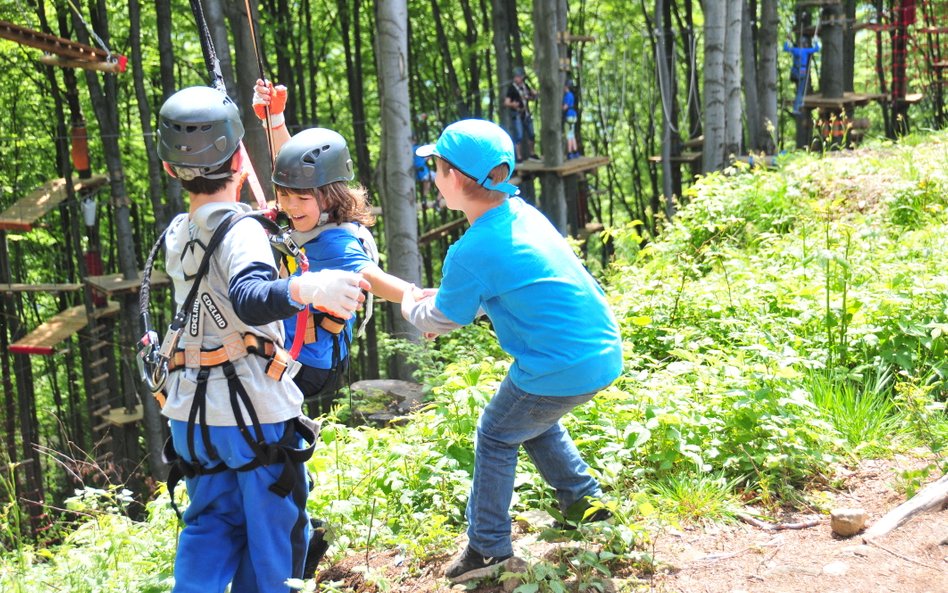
744 559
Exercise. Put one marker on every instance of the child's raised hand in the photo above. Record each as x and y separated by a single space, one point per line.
265 95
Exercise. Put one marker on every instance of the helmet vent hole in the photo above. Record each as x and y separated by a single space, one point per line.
325 147
311 156
206 127
191 129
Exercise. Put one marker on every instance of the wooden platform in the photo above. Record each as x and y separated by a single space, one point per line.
121 416
44 338
113 283
22 215
14 288
818 101
689 157
571 167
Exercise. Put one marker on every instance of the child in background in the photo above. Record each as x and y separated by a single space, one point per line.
570 117
548 313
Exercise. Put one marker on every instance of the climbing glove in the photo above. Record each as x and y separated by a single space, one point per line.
334 291
266 95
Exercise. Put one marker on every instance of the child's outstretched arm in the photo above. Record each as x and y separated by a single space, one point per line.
386 286
423 314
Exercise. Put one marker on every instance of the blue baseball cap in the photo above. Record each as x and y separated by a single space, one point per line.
475 147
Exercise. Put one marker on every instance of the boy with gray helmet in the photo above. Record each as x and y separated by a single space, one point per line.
513 266
234 412
330 217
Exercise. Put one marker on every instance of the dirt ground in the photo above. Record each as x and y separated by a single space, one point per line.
740 558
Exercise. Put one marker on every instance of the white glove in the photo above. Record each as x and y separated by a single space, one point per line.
335 291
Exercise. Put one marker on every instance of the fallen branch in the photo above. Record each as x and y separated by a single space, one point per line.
777 526
934 496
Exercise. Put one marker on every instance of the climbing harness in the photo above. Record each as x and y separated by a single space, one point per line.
156 357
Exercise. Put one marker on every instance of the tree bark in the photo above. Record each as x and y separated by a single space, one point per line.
500 23
749 31
767 75
550 17
733 131
715 16
397 187
175 203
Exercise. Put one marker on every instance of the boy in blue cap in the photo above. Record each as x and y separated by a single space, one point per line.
548 313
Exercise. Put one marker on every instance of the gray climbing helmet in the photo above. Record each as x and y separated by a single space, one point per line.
312 158
199 128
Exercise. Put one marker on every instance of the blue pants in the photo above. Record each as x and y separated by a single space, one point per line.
522 126
511 419
236 530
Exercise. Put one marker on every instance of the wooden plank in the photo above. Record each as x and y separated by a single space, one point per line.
569 167
110 284
14 288
120 416
48 334
847 100
22 215
441 231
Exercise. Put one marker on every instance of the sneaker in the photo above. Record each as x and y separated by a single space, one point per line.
471 565
316 549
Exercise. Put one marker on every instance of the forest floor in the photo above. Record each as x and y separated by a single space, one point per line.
735 558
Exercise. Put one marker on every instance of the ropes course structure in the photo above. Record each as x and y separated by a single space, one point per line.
64 52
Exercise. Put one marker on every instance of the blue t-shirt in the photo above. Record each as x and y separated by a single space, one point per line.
569 100
335 249
548 313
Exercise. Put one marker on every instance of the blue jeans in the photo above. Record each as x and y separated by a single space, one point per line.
513 418
522 125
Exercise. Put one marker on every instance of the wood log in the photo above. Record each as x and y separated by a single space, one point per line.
934 496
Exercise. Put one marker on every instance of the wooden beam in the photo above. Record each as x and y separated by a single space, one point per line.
15 288
47 335
569 167
22 215
110 284
50 44
60 62
441 231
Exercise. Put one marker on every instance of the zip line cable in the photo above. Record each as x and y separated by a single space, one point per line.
263 77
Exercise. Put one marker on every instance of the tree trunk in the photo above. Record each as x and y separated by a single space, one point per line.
500 23
767 76
127 454
749 31
733 130
350 30
153 424
397 186
831 63
548 18
849 46
715 14
175 203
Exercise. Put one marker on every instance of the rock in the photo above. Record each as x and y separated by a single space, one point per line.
847 522
515 564
836 569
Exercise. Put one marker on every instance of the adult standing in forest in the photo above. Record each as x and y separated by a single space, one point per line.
519 95
237 431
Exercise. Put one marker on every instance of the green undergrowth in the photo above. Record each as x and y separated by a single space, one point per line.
790 322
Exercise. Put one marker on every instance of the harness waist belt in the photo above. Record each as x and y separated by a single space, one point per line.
277 363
